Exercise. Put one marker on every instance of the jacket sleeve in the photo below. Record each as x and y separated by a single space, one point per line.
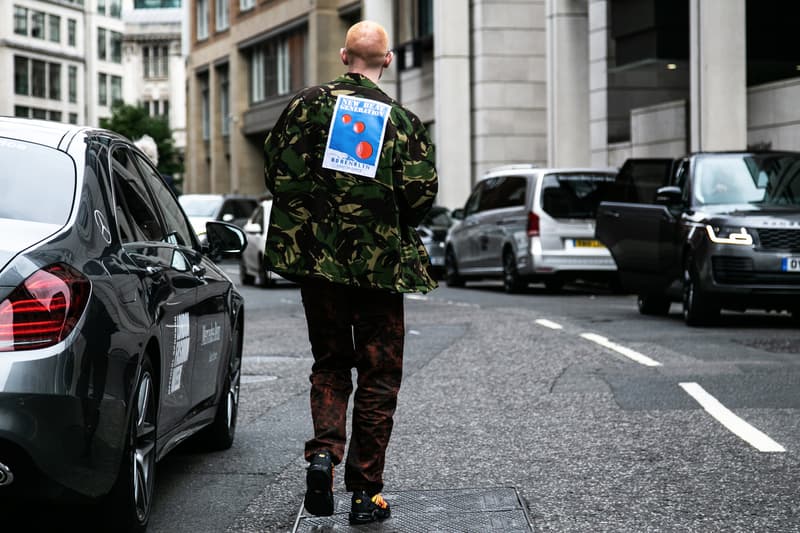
418 182
281 151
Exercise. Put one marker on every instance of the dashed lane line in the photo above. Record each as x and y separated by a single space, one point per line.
757 439
548 323
627 352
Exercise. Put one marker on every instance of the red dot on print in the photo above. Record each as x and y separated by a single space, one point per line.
358 127
346 119
363 150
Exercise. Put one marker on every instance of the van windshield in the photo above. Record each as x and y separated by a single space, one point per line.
574 195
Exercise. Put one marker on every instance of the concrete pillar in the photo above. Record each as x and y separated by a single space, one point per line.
718 75
326 32
196 162
452 97
247 153
568 88
220 179
382 12
599 31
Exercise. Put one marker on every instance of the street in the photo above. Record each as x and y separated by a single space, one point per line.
590 411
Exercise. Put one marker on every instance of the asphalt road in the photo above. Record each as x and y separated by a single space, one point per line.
602 419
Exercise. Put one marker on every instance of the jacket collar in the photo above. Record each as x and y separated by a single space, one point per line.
357 79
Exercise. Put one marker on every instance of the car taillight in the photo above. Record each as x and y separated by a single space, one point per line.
43 309
533 224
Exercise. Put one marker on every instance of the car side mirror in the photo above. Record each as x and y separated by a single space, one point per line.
669 196
224 239
457 214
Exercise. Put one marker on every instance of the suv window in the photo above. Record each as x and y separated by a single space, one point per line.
239 208
574 195
639 179
135 217
473 202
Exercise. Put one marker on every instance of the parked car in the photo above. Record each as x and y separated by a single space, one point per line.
120 337
251 265
433 232
202 208
724 233
523 224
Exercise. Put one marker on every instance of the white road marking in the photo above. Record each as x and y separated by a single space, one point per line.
627 352
548 323
757 439
413 332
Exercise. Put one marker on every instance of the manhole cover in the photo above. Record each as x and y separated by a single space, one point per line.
423 511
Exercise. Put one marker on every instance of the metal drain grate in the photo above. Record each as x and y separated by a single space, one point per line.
427 511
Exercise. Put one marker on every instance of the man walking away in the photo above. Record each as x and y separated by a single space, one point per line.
352 174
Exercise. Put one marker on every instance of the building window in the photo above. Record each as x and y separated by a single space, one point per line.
116 47
277 66
22 111
202 19
37 25
54 84
206 118
156 61
102 89
115 8
224 103
72 29
244 5
55 28
155 4
40 113
72 82
101 7
73 118
20 21
165 109
21 85
38 79
116 90
223 14
101 43
55 116
146 106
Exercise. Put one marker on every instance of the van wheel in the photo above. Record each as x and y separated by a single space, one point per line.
130 500
512 283
451 276
699 309
653 304
265 276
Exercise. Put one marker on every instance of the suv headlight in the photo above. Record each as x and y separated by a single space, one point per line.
728 235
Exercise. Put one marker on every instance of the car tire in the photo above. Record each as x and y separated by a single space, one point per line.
451 276
244 277
219 435
512 282
653 303
699 309
129 503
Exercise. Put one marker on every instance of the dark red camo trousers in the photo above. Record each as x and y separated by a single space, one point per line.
362 329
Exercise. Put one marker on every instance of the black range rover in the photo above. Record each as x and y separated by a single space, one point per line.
723 232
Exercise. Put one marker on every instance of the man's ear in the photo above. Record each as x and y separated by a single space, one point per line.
343 56
388 59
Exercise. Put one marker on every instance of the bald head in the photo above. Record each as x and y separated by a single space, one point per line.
366 46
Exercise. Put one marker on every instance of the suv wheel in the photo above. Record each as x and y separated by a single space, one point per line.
653 304
698 308
244 277
451 276
512 283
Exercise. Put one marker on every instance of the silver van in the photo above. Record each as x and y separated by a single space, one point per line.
523 224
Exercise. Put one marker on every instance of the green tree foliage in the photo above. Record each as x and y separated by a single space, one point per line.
133 122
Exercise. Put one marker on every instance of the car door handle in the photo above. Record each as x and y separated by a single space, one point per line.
151 270
198 271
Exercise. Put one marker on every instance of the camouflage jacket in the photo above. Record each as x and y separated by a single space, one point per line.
343 227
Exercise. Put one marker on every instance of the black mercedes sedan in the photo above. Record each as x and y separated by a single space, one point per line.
722 233
119 335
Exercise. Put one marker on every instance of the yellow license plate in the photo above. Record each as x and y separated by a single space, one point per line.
587 243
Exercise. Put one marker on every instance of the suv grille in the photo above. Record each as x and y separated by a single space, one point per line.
779 239
739 271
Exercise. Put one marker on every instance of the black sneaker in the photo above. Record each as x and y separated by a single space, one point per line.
366 509
319 485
